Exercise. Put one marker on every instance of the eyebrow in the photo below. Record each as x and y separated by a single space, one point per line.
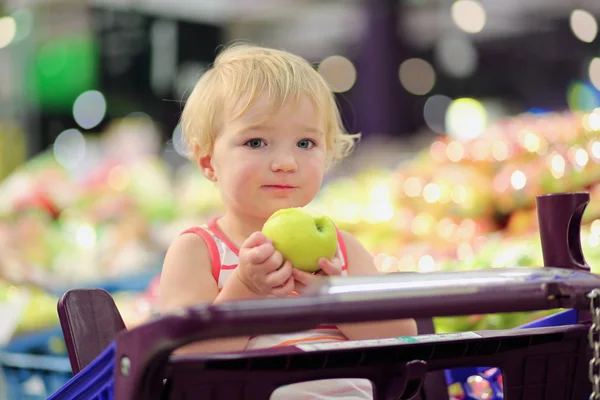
256 127
310 129
263 127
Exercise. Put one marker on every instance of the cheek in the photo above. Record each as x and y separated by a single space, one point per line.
240 175
315 169
318 161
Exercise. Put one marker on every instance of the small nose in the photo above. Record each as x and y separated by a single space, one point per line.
284 163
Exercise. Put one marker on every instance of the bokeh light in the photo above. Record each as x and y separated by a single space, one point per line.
532 142
434 112
86 236
413 186
456 55
500 151
584 25
89 109
455 151
426 264
339 72
469 15
431 193
593 240
446 228
24 21
518 180
581 157
417 76
423 224
178 143
69 148
445 194
595 227
557 166
594 72
464 251
582 97
378 212
595 150
466 119
8 30
139 115
593 121
438 151
380 193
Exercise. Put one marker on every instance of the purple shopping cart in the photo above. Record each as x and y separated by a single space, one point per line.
550 362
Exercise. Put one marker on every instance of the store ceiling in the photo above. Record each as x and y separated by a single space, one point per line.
315 28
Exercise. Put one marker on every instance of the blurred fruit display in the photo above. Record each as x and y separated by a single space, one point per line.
455 205
463 205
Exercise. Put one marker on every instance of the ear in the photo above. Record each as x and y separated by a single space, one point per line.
206 166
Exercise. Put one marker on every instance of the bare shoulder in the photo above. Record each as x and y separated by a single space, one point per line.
360 261
186 246
186 276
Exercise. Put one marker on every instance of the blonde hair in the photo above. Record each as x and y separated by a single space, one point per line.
239 75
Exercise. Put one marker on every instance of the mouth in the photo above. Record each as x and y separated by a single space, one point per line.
279 187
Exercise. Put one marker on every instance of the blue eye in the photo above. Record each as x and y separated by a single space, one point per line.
306 144
255 143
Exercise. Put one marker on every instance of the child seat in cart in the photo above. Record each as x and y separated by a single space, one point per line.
540 363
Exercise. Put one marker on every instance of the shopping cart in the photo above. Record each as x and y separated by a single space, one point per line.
550 362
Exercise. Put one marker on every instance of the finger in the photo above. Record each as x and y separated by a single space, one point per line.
331 267
254 240
260 254
303 277
274 262
280 276
299 287
286 289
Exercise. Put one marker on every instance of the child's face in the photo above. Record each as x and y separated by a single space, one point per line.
262 167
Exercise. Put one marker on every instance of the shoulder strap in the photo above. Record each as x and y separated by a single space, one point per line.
214 229
213 250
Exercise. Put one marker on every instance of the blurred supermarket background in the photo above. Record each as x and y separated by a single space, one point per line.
468 109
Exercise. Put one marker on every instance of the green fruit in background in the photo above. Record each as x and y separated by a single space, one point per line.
40 313
12 147
302 237
152 190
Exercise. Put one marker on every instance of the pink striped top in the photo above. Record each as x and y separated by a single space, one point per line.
224 257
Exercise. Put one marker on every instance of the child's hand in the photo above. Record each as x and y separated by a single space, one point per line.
331 267
262 269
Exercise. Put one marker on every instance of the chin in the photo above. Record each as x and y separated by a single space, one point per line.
280 205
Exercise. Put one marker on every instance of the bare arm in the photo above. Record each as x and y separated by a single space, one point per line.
360 262
187 280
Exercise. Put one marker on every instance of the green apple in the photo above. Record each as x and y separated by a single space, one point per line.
302 236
